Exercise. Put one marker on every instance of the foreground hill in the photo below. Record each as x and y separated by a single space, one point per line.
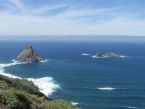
23 94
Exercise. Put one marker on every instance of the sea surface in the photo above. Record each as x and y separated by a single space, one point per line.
71 73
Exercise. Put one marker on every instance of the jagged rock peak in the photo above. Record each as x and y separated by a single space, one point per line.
28 55
29 47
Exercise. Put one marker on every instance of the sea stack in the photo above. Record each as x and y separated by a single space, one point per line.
112 55
107 55
28 55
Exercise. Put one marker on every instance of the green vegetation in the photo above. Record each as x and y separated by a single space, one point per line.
22 94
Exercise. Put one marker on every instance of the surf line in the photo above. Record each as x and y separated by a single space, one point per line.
46 85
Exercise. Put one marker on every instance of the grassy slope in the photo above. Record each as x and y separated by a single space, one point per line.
22 94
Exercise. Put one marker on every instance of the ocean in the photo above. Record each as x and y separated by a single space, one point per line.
70 72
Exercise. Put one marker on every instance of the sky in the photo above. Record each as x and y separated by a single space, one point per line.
72 17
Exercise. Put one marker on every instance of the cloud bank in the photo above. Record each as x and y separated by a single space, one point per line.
20 18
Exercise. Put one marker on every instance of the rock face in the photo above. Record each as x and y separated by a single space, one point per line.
99 54
28 55
112 54
107 54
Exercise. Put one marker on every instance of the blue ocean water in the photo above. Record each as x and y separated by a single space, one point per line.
93 83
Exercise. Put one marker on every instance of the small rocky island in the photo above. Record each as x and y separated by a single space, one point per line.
107 54
28 55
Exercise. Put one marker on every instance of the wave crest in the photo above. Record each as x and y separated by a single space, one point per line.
85 54
46 85
11 64
94 56
74 103
46 60
128 107
107 88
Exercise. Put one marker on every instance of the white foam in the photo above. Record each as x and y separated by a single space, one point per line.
85 54
129 107
8 74
94 56
106 88
122 56
13 60
74 103
44 60
46 85
11 64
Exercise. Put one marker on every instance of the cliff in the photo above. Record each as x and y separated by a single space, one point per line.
23 94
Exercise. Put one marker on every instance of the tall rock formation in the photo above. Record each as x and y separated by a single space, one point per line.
28 55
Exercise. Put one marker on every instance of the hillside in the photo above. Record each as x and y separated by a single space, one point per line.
23 94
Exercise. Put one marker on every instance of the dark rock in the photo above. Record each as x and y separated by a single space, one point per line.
99 54
107 54
111 55
28 55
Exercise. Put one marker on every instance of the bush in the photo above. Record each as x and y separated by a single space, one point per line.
22 94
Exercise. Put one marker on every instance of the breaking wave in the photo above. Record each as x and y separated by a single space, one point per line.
107 88
85 54
74 103
94 56
46 60
128 107
11 64
46 85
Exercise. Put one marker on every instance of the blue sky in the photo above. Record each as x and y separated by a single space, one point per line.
72 17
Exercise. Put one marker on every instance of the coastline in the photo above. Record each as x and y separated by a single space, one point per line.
21 93
46 85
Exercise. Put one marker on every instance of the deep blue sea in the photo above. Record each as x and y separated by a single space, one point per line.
103 83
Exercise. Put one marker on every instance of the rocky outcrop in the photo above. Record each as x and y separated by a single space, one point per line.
28 55
112 55
107 54
99 54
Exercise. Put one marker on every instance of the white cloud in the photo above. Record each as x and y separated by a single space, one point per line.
46 8
65 24
18 4
84 12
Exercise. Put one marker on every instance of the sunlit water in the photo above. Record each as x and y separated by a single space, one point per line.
71 73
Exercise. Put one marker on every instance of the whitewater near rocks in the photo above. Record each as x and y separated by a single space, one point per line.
46 85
